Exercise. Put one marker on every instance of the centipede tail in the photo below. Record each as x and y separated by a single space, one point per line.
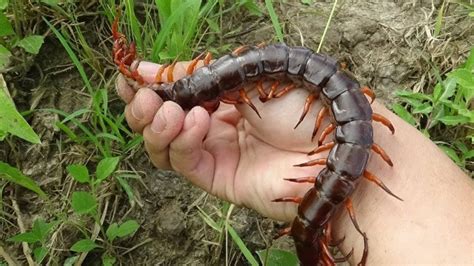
344 101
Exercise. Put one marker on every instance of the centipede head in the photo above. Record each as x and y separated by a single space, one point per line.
124 54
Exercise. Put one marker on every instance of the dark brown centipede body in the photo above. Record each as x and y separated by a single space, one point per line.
349 110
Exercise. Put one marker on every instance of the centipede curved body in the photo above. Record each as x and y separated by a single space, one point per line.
350 112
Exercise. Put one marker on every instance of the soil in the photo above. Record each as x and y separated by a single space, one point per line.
388 45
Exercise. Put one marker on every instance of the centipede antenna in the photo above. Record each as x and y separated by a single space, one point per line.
320 161
373 178
307 106
322 148
382 119
325 133
376 148
365 253
323 112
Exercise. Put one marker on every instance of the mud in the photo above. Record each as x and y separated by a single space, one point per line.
388 45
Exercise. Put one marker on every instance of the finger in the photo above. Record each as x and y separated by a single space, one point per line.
124 91
187 155
164 128
142 109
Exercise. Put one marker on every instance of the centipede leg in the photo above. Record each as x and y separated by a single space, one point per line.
382 119
159 73
207 59
296 200
370 93
376 148
350 210
325 133
240 49
285 90
192 65
170 74
373 178
304 179
323 147
246 99
319 119
309 100
283 232
261 91
273 89
320 161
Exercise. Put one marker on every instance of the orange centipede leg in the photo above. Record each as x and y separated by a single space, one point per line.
170 74
325 133
350 210
296 200
376 148
273 89
323 147
322 113
283 232
159 73
261 91
240 49
247 100
304 179
285 90
192 65
373 178
367 91
320 161
382 119
307 105
207 59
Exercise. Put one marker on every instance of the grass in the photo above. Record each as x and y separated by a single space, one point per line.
83 213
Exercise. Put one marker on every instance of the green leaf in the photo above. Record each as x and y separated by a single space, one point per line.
424 108
39 254
32 43
83 202
42 228
28 237
84 245
3 4
127 228
14 175
452 120
451 153
79 173
108 260
11 121
70 261
276 257
5 26
469 65
106 167
4 57
468 155
404 114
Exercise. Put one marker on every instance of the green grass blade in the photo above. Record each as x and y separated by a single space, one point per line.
327 26
243 248
274 18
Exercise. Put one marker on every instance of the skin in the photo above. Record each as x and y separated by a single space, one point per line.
241 158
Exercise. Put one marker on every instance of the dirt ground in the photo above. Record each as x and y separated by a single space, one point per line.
388 45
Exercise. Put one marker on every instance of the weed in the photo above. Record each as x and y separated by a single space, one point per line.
446 111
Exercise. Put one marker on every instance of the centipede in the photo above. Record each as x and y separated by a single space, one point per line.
345 102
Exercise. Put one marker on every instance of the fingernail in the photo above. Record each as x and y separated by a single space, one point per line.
137 110
190 120
159 123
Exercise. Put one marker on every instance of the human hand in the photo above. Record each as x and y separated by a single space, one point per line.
232 153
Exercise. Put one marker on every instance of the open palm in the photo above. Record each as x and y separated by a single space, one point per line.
233 153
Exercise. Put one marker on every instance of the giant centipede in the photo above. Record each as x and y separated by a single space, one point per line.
343 100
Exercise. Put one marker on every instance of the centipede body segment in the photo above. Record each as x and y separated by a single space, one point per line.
344 102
